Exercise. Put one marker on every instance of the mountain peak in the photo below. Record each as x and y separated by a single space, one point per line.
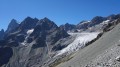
47 23
67 24
28 17
36 19
113 16
13 21
68 27
2 34
97 18
2 30
28 23
45 19
12 25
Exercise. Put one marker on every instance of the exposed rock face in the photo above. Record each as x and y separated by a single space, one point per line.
48 31
28 23
113 17
98 23
68 27
97 20
31 42
12 25
5 54
83 25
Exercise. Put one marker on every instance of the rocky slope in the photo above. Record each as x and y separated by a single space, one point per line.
102 53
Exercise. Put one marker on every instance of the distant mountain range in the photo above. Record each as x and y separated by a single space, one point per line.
98 21
38 43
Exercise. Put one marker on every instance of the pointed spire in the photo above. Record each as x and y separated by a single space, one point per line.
2 30
46 19
12 25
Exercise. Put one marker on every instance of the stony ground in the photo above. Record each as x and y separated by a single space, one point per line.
109 58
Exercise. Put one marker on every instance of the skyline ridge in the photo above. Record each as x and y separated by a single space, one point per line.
61 11
52 20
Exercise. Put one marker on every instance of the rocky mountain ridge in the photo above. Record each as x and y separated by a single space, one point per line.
37 43
98 21
32 37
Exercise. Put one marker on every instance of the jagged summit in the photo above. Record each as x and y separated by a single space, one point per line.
36 19
28 23
46 24
12 25
113 16
2 30
68 27
45 18
97 20
2 34
96 24
13 21
30 35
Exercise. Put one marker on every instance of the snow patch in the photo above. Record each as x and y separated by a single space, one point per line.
105 22
79 42
85 22
28 34
30 31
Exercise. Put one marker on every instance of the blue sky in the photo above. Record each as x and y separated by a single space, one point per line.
59 11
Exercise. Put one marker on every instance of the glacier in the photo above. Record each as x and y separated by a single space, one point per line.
79 42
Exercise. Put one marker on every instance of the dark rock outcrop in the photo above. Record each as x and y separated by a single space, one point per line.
113 17
2 33
5 55
96 20
83 25
28 23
